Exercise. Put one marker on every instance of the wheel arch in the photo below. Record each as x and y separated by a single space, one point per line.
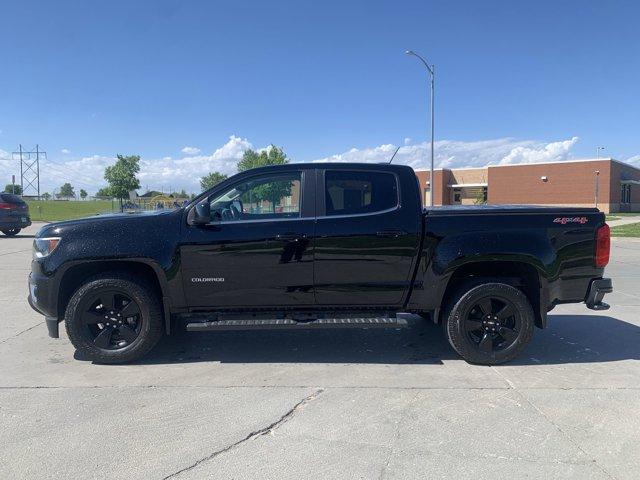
75 275
521 275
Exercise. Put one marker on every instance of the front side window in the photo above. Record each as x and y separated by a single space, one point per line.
351 193
261 198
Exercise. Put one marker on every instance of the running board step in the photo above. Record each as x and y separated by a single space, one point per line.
270 324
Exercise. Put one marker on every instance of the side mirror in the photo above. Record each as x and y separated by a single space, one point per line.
202 213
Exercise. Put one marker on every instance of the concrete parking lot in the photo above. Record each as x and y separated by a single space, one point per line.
325 404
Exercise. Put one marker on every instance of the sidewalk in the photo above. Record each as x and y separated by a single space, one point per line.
623 221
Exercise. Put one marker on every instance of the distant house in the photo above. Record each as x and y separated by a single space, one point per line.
150 194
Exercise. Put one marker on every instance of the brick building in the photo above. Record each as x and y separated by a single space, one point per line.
570 183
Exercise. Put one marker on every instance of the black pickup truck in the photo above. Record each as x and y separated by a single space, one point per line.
317 246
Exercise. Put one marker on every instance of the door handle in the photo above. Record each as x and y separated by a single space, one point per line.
391 233
290 237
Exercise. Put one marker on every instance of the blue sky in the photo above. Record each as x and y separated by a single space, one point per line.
516 81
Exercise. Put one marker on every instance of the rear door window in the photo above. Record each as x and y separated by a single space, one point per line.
358 192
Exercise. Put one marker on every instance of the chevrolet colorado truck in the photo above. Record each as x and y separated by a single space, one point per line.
317 246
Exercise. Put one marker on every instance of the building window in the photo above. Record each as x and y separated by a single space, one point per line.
625 193
457 195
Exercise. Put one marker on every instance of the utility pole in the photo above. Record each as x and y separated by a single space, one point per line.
598 149
431 70
21 184
38 168
30 169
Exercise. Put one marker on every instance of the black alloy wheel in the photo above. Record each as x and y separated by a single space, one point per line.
493 324
112 318
488 323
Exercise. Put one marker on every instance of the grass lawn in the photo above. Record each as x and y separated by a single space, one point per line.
631 230
67 210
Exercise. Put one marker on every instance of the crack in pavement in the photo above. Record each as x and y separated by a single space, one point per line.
396 436
336 387
15 251
20 333
257 433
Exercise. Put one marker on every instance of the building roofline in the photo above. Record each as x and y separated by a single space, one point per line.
556 162
583 160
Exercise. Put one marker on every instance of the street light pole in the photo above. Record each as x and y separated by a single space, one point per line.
598 149
431 70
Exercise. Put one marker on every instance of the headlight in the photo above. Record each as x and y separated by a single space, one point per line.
44 246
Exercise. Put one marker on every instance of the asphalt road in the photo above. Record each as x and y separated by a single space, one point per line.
326 404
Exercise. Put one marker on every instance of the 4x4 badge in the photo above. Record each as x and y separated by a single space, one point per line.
565 220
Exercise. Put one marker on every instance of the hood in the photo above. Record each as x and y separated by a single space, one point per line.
106 221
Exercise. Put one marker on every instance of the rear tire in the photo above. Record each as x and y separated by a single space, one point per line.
488 323
11 232
114 318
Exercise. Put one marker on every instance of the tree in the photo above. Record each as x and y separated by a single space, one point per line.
66 191
104 192
481 197
211 180
122 176
11 188
271 156
272 191
46 196
83 193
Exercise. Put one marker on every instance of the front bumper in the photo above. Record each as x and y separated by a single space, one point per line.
15 222
596 292
43 299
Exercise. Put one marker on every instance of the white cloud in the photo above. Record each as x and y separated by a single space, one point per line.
407 141
6 165
191 150
65 151
455 154
186 171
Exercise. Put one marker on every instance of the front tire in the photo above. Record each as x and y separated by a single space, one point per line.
11 232
489 324
114 318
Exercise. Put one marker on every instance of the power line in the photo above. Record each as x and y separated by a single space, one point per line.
69 173
64 177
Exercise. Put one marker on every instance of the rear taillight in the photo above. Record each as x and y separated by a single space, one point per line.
5 206
603 246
